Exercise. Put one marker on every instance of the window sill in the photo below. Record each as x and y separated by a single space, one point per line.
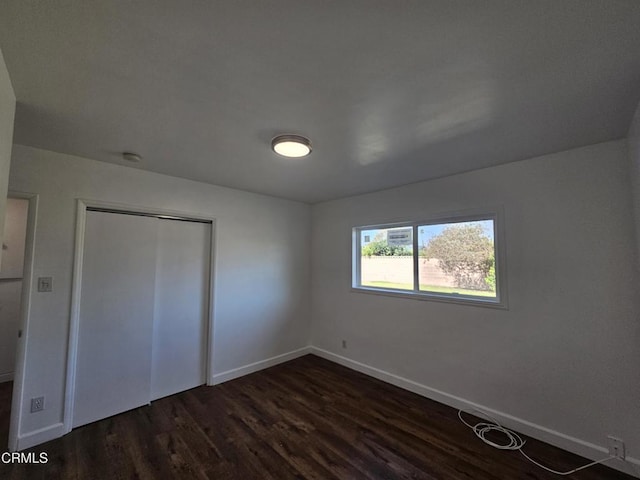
457 299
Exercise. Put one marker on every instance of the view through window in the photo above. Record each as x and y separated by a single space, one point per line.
450 259
387 258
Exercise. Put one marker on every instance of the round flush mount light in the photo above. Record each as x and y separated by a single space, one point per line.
131 157
291 146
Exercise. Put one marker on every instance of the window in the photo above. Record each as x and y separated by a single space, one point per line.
455 259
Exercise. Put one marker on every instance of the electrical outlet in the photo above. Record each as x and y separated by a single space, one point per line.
344 343
616 447
37 404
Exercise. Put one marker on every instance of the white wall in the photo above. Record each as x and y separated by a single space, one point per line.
565 355
634 156
11 283
262 270
7 111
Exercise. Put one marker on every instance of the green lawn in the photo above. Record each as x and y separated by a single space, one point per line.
431 288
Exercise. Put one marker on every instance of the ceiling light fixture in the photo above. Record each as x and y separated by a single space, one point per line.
291 146
131 157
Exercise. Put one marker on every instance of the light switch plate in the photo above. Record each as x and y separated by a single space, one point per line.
45 284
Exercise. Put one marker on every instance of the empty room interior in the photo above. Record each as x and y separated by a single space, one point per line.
327 240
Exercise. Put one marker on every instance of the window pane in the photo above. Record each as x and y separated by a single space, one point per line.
386 258
457 258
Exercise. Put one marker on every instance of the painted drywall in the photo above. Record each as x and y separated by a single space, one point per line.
634 158
261 272
565 353
15 229
7 111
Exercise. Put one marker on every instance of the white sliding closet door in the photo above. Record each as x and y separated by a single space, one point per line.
113 367
181 307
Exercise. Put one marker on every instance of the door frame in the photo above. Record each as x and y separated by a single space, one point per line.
17 399
76 289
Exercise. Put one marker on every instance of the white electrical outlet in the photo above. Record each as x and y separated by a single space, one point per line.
37 404
616 447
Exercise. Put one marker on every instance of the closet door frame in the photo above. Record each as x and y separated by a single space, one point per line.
76 290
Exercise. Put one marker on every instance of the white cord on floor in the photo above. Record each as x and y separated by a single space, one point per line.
514 441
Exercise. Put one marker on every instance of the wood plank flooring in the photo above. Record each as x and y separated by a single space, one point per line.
305 419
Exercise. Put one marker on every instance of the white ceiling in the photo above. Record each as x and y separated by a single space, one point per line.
390 92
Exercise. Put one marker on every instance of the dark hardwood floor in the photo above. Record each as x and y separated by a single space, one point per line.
308 418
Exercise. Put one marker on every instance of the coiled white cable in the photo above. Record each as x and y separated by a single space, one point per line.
514 441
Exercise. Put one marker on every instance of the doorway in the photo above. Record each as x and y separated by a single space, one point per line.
15 288
11 274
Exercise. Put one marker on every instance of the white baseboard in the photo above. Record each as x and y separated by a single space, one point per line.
560 440
256 366
42 435
6 377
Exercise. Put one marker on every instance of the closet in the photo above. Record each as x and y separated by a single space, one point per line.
144 310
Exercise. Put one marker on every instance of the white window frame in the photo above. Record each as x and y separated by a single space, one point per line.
499 246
